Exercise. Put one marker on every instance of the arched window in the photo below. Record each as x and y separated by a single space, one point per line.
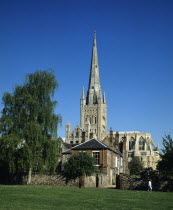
141 143
132 144
77 134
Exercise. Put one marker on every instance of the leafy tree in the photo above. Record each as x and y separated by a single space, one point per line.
135 166
165 166
28 123
79 164
150 174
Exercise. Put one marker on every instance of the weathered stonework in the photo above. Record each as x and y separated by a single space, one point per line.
135 144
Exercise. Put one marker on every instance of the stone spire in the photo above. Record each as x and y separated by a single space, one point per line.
93 110
94 81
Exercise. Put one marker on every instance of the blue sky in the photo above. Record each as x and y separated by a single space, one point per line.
135 49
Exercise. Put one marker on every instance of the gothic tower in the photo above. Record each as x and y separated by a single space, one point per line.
93 111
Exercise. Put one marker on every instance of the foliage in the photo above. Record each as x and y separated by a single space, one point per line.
15 153
51 152
79 164
27 124
165 166
49 197
149 174
135 166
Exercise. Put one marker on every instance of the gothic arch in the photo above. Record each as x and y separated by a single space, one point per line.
132 143
141 143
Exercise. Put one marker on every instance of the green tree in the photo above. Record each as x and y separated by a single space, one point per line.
165 165
78 165
150 174
28 123
135 166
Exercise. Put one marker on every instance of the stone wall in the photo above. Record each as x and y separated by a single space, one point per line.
102 179
126 182
123 182
96 180
58 180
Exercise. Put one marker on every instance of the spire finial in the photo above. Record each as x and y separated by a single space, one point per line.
94 37
94 33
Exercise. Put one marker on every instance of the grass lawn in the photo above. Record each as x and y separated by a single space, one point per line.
51 197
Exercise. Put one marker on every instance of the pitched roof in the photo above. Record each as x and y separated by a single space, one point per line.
66 152
91 144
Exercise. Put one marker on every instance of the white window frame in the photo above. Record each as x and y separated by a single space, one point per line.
121 161
116 162
99 156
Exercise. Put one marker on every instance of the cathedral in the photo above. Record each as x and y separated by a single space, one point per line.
93 121
93 109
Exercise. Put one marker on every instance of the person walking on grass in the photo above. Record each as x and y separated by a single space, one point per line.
150 186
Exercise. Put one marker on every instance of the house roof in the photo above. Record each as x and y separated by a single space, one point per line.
92 144
66 152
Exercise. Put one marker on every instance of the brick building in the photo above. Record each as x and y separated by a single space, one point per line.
110 161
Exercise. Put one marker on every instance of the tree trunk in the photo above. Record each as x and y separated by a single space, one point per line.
82 181
29 176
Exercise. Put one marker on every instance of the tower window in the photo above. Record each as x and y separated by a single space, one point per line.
96 66
77 134
103 126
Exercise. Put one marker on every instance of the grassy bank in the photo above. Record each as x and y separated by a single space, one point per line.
47 197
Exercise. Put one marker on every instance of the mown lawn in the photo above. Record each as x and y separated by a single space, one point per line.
48 197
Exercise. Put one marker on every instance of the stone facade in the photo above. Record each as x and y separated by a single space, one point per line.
135 144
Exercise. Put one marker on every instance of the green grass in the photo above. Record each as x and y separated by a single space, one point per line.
50 197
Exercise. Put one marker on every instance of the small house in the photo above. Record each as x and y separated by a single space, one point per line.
110 161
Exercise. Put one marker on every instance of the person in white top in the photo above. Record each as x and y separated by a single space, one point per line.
149 186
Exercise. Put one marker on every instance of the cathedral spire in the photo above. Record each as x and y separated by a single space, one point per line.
93 110
94 80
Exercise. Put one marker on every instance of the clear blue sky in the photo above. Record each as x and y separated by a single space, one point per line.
135 48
